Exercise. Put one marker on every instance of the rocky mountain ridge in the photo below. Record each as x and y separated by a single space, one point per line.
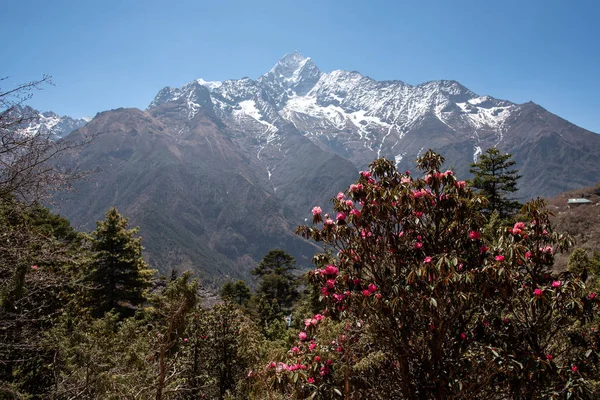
217 173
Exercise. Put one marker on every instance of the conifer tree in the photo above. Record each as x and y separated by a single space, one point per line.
277 281
238 292
496 181
118 272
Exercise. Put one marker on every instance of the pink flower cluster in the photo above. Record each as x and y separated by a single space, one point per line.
317 210
415 194
286 367
547 250
356 187
475 235
313 321
518 228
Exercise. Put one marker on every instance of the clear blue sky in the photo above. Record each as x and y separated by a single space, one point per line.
109 54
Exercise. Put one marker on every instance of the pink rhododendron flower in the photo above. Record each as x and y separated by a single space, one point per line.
325 291
405 180
500 258
317 210
449 173
527 255
366 293
474 235
418 214
418 245
547 250
340 196
574 368
538 292
366 174
549 357
463 335
312 346
349 203
378 296
356 187
302 336
354 212
341 216
330 283
339 297
319 317
328 221
331 270
34 267
372 288
427 260
461 184
483 249
317 359
295 349
592 296
185 340
310 380
556 284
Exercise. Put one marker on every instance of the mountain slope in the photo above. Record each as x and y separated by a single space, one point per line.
361 119
49 123
218 173
193 191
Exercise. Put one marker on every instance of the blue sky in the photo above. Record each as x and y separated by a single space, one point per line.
109 54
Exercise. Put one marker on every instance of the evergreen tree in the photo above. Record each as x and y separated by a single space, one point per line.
495 180
276 293
118 272
277 282
237 292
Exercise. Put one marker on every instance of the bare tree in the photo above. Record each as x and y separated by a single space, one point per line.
28 167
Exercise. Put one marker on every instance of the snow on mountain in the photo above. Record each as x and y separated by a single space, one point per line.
48 123
357 117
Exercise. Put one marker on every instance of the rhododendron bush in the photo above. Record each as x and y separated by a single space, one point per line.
423 300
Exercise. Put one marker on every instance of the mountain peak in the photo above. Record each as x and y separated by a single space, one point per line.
292 60
293 72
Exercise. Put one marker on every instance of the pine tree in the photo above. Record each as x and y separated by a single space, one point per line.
277 282
495 180
237 292
118 273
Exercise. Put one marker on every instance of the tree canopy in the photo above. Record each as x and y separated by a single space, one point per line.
496 180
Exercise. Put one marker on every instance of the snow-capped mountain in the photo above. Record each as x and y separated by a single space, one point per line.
48 123
361 119
217 173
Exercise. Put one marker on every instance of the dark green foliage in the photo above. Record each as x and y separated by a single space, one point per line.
496 180
118 273
277 281
39 255
277 290
238 292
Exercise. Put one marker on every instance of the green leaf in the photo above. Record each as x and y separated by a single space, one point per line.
433 302
337 391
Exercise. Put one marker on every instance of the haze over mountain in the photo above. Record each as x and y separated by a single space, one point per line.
217 173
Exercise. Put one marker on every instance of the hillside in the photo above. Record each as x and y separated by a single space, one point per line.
582 222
